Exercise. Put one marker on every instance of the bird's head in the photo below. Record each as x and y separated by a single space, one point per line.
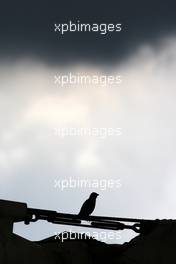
94 195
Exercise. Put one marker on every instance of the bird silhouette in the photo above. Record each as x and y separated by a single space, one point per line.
88 206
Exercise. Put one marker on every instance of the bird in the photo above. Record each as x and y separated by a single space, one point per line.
88 206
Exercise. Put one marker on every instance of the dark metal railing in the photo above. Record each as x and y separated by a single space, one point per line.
101 222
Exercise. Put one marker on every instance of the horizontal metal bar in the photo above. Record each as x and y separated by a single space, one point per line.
55 214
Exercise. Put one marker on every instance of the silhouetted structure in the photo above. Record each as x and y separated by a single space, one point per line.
155 243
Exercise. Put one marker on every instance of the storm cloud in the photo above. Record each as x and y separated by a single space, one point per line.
27 29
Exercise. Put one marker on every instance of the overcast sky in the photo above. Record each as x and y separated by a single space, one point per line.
32 107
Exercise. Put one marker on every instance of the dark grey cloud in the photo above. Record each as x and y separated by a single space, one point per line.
27 28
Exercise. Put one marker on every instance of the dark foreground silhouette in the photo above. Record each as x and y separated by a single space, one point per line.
156 243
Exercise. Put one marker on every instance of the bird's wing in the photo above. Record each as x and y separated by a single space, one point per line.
85 208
